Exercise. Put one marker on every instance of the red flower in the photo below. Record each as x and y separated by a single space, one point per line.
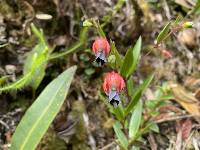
112 86
101 48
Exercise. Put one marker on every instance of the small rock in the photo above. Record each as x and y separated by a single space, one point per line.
188 37
10 69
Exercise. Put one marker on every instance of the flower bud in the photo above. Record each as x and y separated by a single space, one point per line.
101 49
113 84
187 24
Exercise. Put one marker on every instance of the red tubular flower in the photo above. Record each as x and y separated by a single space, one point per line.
101 48
113 84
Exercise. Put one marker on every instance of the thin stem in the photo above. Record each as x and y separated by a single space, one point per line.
66 52
99 29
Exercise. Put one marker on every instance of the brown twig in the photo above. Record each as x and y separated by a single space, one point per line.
174 118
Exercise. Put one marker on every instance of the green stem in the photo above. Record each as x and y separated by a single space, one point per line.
18 84
99 29
66 52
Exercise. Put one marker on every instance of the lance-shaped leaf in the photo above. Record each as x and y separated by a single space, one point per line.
39 116
135 121
119 59
120 135
36 60
137 95
131 59
163 33
130 86
179 18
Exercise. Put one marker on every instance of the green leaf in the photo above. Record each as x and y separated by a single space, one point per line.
179 18
137 95
112 60
35 63
118 57
36 60
163 33
120 135
154 127
196 9
135 120
131 59
39 116
153 104
130 86
150 126
119 112
38 33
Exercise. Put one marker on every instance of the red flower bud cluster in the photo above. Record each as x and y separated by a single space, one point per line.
113 83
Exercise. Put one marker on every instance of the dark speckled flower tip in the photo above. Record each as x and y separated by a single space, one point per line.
101 49
113 84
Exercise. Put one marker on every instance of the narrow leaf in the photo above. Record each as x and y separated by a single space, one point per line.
154 127
135 120
131 59
36 60
39 116
120 135
35 63
179 18
196 9
38 33
150 126
114 51
163 33
130 86
136 97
